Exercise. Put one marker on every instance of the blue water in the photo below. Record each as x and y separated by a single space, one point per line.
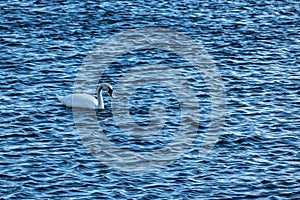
255 47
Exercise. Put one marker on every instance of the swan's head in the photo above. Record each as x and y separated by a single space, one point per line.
106 87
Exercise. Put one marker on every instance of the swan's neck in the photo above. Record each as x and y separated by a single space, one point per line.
100 99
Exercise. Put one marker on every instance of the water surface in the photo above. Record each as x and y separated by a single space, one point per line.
255 46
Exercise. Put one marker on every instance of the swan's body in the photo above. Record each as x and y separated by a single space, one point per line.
86 100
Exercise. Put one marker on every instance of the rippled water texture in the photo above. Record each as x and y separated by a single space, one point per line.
255 46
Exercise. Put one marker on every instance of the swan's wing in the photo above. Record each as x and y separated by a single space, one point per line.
79 101
84 101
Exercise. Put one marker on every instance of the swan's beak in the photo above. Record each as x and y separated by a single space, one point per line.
110 93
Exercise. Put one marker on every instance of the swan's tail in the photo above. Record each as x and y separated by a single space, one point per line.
60 98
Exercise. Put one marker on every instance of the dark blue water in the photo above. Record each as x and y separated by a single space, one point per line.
255 46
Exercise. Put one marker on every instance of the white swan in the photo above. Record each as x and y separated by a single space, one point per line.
86 100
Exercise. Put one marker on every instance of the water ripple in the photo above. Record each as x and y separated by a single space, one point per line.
256 48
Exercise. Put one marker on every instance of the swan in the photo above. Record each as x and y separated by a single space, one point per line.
85 100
